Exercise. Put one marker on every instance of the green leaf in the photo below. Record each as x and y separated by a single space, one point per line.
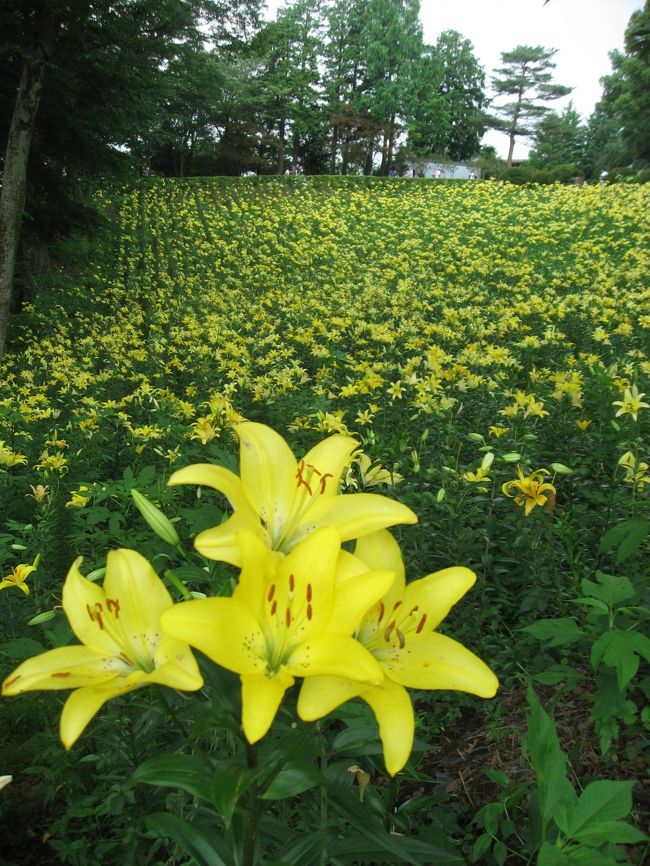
186 772
304 850
294 778
553 786
402 849
610 589
199 843
600 801
481 845
551 855
229 782
617 832
619 649
633 539
361 740
558 632
500 852
19 648
635 529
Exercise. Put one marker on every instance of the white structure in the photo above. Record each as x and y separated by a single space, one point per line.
453 170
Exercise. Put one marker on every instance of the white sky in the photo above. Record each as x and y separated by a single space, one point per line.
583 31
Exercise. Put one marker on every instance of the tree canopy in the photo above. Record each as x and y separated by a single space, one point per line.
525 81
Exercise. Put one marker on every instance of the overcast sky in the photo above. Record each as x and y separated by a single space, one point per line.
583 31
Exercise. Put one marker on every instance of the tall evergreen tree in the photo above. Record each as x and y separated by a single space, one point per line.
626 97
526 81
82 79
290 79
560 139
463 88
392 36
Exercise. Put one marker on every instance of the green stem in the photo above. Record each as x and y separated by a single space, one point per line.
251 816
323 794
171 712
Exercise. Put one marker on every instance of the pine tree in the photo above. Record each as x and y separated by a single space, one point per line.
526 80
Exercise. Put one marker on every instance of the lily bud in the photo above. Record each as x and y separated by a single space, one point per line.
156 520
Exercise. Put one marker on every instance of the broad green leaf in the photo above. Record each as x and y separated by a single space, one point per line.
305 850
500 852
610 589
633 539
402 849
229 782
628 535
187 772
583 856
553 786
617 832
361 740
481 845
557 632
619 649
600 801
201 844
294 778
551 855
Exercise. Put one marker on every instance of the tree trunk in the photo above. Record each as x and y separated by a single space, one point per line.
513 128
334 146
12 197
383 168
369 157
281 144
391 144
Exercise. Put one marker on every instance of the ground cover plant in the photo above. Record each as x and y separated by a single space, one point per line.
477 355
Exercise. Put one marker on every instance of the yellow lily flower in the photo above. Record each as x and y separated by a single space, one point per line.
19 575
123 646
287 618
631 403
399 632
281 500
532 489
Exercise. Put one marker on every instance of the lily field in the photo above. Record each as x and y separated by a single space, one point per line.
474 360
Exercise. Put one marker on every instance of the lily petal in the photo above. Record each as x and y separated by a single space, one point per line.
355 515
63 668
221 543
435 661
379 550
135 598
83 704
393 710
222 628
261 697
268 472
355 596
176 667
85 606
312 564
334 655
217 477
437 593
329 457
319 696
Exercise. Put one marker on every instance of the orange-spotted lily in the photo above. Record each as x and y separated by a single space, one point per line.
287 618
18 576
399 631
281 500
123 647
530 490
